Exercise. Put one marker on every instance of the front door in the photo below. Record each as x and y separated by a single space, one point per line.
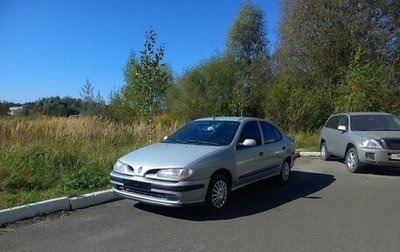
249 160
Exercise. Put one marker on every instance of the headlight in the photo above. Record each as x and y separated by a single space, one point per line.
175 174
121 167
371 143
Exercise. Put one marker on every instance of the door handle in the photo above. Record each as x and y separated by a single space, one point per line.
261 153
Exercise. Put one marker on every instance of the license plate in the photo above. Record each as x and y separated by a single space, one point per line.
395 156
137 184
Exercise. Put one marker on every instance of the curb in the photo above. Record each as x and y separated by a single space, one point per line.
91 199
309 154
53 205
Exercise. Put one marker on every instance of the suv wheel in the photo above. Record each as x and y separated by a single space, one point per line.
325 155
218 193
352 162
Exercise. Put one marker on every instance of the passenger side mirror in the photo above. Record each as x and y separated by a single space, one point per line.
342 128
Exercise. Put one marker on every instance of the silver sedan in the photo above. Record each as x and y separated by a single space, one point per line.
204 161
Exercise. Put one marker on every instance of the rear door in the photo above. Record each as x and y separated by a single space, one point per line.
274 148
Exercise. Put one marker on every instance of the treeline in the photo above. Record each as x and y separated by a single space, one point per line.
88 104
338 55
332 56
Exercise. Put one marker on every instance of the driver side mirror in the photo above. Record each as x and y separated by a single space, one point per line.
247 143
165 138
342 128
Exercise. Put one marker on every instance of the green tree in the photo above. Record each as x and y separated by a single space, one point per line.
147 80
366 88
204 90
56 106
4 107
319 41
247 45
92 105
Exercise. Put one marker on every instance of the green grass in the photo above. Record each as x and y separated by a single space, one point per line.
43 158
306 141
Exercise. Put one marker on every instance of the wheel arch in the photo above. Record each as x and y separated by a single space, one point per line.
226 173
349 145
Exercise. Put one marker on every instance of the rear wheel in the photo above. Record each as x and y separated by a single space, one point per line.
218 193
352 162
325 155
285 172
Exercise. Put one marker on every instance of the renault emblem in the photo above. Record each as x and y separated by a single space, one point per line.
140 169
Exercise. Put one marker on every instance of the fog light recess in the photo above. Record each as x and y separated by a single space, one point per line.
370 155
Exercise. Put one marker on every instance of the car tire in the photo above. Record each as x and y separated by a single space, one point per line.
218 193
325 155
352 162
284 174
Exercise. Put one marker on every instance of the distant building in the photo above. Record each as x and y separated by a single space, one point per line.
13 110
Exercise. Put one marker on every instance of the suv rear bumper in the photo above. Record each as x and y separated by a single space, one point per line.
378 157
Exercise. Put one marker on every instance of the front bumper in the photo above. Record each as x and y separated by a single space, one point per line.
378 157
159 192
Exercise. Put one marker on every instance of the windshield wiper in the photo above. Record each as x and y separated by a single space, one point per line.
202 142
173 140
380 129
387 129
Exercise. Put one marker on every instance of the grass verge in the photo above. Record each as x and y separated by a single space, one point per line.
43 158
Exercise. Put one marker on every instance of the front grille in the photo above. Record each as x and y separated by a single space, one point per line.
147 193
393 144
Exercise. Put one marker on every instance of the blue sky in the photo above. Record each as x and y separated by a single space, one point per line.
50 47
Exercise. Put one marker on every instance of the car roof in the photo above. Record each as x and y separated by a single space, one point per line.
362 113
227 118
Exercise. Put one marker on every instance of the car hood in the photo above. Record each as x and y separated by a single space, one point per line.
166 155
379 134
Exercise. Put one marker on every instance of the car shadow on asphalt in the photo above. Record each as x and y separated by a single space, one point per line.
259 197
382 171
373 170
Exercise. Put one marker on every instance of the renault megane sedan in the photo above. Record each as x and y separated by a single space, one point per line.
204 161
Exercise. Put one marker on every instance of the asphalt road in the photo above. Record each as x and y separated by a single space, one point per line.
322 208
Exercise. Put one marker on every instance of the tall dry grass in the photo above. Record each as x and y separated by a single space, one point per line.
47 157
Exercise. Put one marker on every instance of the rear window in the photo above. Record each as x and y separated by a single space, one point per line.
271 134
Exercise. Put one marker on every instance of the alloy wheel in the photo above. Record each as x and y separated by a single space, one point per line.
219 194
285 173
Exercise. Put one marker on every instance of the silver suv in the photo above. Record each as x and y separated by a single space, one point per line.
362 138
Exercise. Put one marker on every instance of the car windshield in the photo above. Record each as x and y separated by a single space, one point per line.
375 123
205 133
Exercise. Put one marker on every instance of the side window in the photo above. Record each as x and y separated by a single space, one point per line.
278 134
333 122
250 131
343 121
268 132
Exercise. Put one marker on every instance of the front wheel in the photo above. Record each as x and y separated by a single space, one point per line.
218 193
352 162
